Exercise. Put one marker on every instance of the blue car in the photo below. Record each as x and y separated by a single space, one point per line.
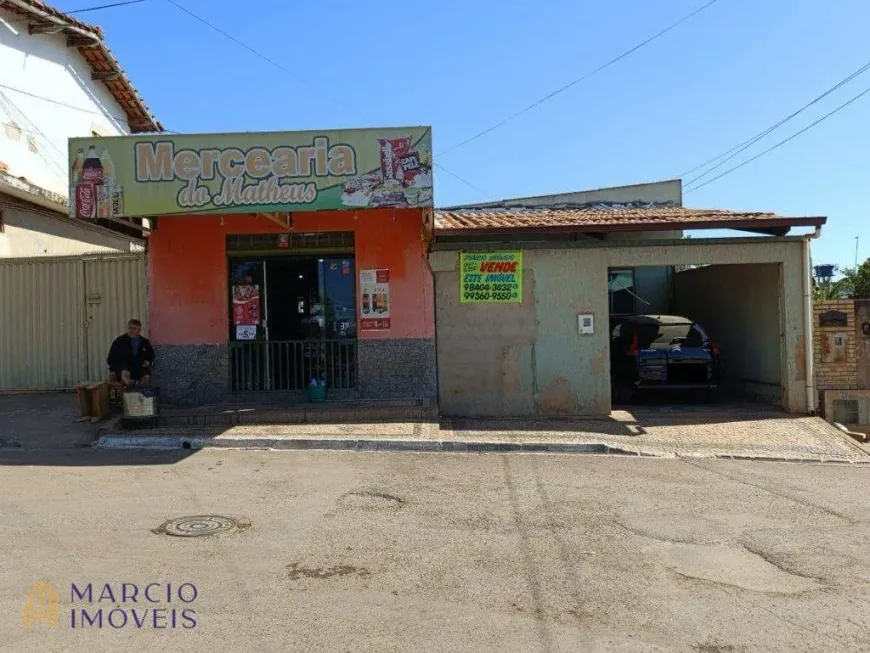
661 353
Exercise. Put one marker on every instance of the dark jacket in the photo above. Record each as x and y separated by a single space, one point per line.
121 355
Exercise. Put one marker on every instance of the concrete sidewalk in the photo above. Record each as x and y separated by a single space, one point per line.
702 433
44 421
48 422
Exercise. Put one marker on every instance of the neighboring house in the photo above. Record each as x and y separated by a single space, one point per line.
631 290
67 286
585 257
58 80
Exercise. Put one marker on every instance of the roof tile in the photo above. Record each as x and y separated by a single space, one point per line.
604 217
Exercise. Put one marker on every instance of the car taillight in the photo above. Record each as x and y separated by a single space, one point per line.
714 349
632 351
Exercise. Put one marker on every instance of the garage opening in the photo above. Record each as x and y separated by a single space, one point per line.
696 333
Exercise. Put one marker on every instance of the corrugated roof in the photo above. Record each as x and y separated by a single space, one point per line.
88 40
603 218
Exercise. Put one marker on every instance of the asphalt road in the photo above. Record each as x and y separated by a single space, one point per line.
434 552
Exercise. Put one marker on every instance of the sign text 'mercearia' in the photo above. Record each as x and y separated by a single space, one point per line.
159 161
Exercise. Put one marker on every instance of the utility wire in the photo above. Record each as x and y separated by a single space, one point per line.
237 42
437 165
259 54
464 181
578 80
59 103
737 149
21 21
116 4
285 70
8 105
782 142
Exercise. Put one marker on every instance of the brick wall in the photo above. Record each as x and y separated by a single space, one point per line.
834 348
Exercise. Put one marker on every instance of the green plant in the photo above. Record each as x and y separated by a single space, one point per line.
853 284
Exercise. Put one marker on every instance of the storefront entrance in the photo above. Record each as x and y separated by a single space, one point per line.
292 318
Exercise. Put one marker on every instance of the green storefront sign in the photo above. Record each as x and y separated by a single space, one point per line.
491 277
137 176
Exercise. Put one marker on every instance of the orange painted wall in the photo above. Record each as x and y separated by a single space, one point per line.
187 270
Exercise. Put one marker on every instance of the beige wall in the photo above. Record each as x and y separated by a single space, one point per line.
739 306
36 232
529 359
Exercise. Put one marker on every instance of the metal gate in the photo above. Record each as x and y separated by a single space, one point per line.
289 365
58 316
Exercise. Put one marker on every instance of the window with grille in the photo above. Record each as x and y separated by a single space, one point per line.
846 411
298 242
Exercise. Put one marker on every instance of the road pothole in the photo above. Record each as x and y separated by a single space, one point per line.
371 500
201 526
733 566
676 528
295 571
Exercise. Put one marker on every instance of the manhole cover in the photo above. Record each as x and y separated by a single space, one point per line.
199 526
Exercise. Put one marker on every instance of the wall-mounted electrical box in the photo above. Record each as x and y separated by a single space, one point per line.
585 324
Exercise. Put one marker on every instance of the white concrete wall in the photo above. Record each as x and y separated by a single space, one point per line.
29 232
42 65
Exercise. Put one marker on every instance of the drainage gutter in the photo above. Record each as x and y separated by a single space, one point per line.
808 320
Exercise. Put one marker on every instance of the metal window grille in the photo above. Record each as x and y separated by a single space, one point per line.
846 411
298 242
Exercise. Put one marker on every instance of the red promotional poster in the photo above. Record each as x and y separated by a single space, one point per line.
246 305
375 304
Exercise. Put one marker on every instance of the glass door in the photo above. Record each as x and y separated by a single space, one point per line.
338 320
248 319
248 326
338 291
292 319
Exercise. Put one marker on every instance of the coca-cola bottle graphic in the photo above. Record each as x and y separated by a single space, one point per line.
104 190
86 190
75 177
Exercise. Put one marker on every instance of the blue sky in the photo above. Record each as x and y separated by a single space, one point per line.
729 72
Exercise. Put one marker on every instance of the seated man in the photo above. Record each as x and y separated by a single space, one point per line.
131 356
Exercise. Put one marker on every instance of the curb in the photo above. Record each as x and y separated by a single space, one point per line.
174 443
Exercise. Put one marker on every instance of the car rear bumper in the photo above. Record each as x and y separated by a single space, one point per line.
676 386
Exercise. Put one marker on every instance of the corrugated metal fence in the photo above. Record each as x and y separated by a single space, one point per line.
58 316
